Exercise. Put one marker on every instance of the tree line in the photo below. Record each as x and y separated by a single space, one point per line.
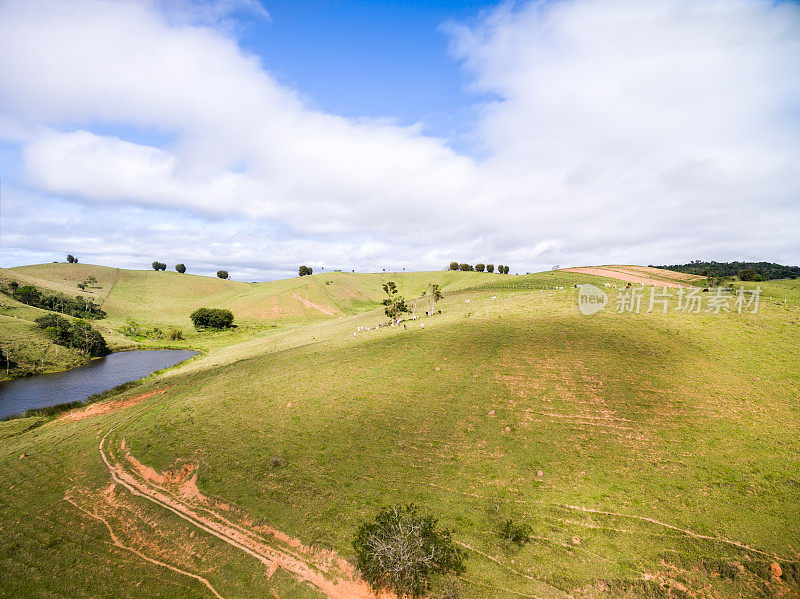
80 307
744 271
479 267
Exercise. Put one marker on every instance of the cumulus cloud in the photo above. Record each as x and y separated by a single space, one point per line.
618 131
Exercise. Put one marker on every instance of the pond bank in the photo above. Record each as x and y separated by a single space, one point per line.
77 384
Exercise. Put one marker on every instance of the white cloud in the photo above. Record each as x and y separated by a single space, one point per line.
621 131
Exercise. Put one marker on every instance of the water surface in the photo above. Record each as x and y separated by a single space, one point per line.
45 390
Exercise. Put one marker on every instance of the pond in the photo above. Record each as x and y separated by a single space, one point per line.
99 375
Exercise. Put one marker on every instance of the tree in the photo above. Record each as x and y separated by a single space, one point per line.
82 286
87 339
465 267
28 294
71 259
79 334
159 266
505 269
214 318
57 328
513 532
490 268
454 266
432 295
402 551
394 304
305 270
222 274
500 268
181 268
480 267
749 274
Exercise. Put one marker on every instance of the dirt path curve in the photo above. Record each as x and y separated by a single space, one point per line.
310 304
115 540
336 582
621 275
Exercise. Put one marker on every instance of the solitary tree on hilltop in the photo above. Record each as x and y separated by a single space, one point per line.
71 259
181 268
222 274
305 270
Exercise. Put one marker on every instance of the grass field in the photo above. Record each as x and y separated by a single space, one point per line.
652 455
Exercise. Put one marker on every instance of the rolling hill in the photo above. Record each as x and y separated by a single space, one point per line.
651 454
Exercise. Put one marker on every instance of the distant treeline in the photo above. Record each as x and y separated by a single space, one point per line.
742 270
80 307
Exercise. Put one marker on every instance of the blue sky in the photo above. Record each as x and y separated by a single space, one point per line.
365 135
378 59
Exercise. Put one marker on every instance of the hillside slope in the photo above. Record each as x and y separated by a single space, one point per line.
652 455
167 298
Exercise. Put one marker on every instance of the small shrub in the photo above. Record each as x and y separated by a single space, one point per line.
277 461
131 328
174 334
513 532
402 551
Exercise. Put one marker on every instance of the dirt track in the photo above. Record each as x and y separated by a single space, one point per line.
310 304
328 573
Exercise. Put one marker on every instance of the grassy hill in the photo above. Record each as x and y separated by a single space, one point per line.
652 455
169 297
